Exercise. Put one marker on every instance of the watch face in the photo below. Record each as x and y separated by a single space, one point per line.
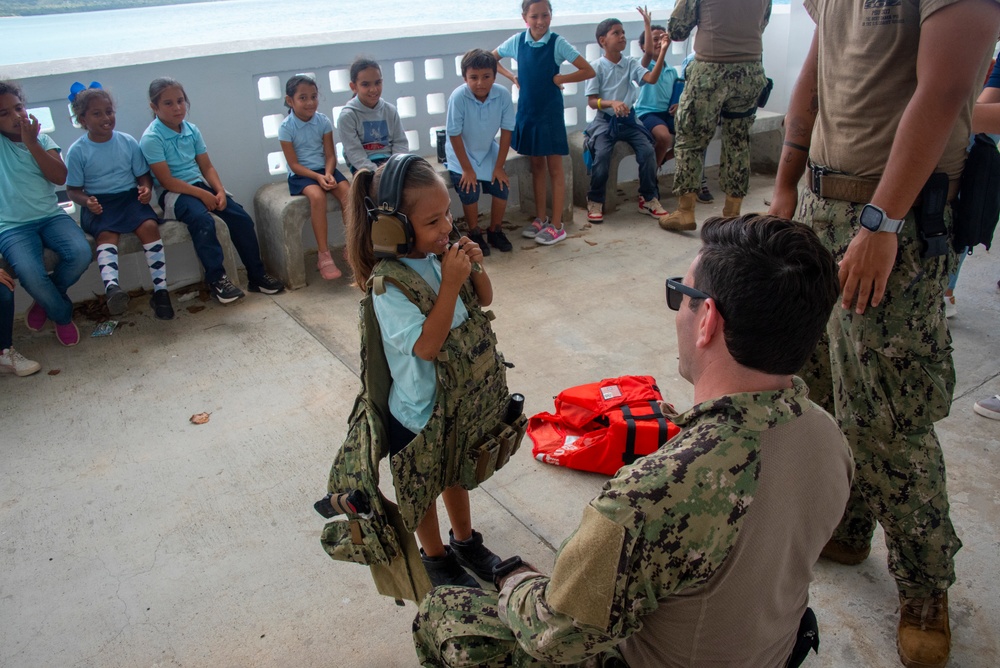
871 218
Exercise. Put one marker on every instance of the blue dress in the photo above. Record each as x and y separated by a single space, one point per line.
540 128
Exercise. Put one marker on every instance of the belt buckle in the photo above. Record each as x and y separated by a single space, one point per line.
818 171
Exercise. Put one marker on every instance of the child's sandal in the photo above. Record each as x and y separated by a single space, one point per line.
327 267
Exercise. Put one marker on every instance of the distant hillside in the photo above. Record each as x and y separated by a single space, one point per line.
38 7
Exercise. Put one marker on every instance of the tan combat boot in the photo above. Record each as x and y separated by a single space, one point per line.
924 638
683 217
731 208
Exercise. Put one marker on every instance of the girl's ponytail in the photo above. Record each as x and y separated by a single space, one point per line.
360 254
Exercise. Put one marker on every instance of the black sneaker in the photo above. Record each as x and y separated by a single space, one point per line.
474 555
477 236
446 570
267 284
499 240
160 303
117 299
224 291
705 195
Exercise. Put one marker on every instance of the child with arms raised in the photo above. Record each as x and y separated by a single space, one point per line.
193 191
31 220
477 110
540 129
441 406
369 127
109 180
655 106
612 94
306 138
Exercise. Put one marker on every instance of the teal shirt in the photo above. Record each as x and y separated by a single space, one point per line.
656 97
178 149
26 195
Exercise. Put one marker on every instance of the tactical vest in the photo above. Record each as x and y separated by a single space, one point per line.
464 442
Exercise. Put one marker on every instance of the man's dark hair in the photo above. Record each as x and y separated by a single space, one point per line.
642 35
477 59
605 26
775 286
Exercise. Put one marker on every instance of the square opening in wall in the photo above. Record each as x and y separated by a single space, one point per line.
44 116
407 106
593 52
570 116
72 116
403 70
269 88
634 49
341 161
458 65
311 75
276 163
433 69
271 124
335 118
340 80
435 103
413 139
570 88
590 115
515 94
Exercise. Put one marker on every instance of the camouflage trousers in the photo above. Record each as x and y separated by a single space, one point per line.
710 89
461 627
888 376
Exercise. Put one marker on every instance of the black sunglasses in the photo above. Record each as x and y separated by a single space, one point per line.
676 291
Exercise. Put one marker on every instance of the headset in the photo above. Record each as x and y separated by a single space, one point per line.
392 233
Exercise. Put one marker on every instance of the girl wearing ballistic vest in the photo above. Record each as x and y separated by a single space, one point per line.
449 391
540 129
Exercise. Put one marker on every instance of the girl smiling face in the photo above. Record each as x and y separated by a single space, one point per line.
368 86
304 102
99 119
431 220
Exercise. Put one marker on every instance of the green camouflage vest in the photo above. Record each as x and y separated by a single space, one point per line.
464 442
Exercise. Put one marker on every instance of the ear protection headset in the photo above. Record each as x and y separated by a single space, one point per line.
392 233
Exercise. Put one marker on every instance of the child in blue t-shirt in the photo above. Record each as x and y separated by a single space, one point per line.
109 180
656 104
477 110
193 191
31 219
306 138
613 93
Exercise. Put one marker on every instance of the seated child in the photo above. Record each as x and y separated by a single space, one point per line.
11 361
109 180
31 220
612 94
306 138
477 110
656 106
369 127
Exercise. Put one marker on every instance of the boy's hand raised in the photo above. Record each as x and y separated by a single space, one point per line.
647 16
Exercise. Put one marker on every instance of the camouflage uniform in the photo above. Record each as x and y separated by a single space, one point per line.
888 376
661 527
713 90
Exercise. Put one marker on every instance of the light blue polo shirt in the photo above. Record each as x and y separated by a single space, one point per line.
478 123
656 97
563 51
178 149
414 381
25 194
306 137
617 81
104 168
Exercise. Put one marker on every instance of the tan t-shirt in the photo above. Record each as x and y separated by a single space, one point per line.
729 31
867 75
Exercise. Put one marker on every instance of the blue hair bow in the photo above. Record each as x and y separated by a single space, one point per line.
78 88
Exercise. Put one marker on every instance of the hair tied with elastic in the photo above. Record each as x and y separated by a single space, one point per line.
78 88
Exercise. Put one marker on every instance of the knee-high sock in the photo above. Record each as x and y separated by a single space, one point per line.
157 261
107 262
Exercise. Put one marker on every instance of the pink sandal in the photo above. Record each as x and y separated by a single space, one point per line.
327 267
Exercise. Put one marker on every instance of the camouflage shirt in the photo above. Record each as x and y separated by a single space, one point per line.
661 526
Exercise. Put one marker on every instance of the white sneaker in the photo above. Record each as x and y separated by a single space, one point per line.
950 307
595 211
14 362
652 207
988 407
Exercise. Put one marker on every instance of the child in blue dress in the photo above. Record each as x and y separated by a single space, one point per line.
193 191
306 138
109 180
31 219
540 128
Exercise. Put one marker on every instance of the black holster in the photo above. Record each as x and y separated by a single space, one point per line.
807 639
930 216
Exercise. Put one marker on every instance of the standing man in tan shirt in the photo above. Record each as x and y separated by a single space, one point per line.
882 111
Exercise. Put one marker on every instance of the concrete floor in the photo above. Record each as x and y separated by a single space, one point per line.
132 537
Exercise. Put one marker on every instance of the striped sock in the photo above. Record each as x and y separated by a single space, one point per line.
107 262
157 261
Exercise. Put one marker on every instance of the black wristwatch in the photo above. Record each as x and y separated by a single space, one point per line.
505 568
874 219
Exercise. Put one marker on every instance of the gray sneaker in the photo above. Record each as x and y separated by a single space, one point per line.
989 407
117 299
531 230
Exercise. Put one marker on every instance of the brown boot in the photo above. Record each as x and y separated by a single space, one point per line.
844 554
731 208
683 217
924 638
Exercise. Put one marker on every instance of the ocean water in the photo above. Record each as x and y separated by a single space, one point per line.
29 39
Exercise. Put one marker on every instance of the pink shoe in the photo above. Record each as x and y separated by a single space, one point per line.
327 267
35 318
68 334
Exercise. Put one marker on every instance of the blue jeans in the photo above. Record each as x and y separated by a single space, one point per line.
645 156
192 212
22 247
6 317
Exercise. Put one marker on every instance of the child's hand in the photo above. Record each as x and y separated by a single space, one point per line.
328 182
557 80
145 194
500 176
673 109
619 107
30 130
6 279
455 264
664 43
647 17
94 206
468 183
472 250
208 199
220 201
